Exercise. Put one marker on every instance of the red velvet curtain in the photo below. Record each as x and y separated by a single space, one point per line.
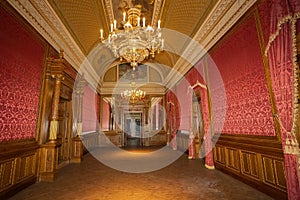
173 116
281 52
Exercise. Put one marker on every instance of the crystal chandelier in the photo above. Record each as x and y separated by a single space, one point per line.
133 42
133 95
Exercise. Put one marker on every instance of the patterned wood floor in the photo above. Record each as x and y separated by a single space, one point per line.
184 179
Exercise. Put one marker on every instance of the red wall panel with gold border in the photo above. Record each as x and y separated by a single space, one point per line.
21 65
240 62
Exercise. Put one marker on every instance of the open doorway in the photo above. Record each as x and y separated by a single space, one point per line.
133 130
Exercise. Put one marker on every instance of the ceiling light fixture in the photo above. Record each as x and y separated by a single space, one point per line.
133 95
134 41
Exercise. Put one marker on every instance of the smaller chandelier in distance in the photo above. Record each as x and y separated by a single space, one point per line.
134 42
133 95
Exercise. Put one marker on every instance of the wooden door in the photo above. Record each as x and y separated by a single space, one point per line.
64 136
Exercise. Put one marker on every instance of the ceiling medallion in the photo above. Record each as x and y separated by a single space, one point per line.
134 41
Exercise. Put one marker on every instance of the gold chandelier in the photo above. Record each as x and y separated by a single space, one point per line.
133 42
133 95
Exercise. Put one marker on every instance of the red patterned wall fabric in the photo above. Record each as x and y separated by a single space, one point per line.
89 110
105 116
98 99
21 64
185 101
239 61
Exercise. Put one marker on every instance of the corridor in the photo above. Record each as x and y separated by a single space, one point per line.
184 179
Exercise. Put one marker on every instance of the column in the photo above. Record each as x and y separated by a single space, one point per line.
55 102
49 150
77 141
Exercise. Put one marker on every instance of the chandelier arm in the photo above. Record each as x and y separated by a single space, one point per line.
133 43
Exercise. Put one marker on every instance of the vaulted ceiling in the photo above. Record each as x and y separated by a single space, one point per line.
74 27
84 18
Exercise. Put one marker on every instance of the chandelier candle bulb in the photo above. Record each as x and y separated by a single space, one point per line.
124 16
162 43
115 24
144 22
101 33
134 42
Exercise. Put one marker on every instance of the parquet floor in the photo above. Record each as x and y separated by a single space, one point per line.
183 180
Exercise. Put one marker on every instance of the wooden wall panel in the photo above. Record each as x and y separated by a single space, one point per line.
26 166
232 161
7 173
280 174
258 162
274 174
219 155
269 175
17 166
249 164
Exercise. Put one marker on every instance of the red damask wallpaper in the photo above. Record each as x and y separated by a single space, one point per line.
21 64
185 101
240 63
89 110
105 116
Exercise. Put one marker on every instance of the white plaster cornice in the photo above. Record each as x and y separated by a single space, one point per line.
223 16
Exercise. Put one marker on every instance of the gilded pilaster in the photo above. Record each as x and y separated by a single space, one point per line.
55 101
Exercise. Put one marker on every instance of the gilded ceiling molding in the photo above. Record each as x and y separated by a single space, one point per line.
109 88
43 18
158 7
224 15
108 8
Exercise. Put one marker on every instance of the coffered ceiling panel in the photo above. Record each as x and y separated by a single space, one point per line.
186 16
83 20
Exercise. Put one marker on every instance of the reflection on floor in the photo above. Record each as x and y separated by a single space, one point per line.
183 179
142 149
133 142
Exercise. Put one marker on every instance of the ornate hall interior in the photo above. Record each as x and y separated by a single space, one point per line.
149 99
